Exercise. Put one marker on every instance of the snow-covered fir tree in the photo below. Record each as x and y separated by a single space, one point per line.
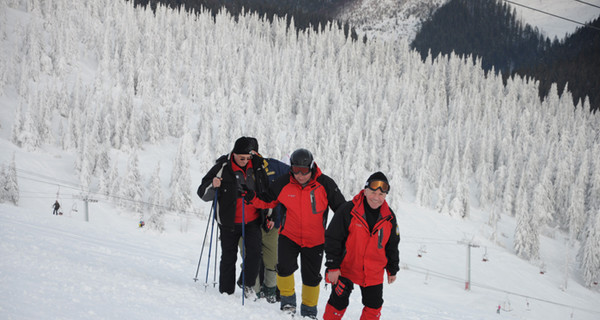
113 182
3 177
590 251
156 207
132 193
10 183
359 107
180 184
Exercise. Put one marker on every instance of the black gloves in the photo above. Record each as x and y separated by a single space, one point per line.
267 224
247 194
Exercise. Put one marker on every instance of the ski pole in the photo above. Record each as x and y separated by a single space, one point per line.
216 255
211 237
243 252
204 241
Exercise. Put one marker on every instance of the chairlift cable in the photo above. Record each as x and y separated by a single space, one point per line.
589 4
552 14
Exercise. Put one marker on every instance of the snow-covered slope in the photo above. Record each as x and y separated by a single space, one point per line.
399 19
62 267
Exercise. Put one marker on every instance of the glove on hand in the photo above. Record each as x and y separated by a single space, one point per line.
268 223
248 194
340 288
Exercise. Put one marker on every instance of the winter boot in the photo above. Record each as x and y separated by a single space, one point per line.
288 304
249 293
310 298
308 312
269 294
331 313
370 314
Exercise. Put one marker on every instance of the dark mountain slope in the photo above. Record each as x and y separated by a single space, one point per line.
489 29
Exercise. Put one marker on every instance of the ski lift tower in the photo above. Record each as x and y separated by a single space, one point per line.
469 245
86 199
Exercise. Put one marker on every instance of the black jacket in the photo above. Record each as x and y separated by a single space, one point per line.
231 187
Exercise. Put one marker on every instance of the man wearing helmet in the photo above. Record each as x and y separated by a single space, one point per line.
307 194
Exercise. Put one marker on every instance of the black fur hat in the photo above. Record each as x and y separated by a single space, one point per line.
244 145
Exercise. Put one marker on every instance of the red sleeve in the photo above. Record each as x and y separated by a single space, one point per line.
256 202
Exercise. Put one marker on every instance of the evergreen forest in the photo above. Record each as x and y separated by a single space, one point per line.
304 13
489 29
110 83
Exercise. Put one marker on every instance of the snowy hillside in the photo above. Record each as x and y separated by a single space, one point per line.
61 267
128 108
399 19
388 19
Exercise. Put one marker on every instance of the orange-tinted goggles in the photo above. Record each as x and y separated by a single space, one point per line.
377 184
300 170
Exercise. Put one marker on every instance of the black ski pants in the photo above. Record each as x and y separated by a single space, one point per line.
372 296
311 260
229 253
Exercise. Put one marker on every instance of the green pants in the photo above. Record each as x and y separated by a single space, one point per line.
269 258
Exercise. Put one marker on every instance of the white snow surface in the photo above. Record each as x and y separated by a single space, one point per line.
62 267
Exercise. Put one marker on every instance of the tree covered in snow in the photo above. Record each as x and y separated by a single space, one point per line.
156 207
590 251
132 193
180 184
444 126
3 177
10 186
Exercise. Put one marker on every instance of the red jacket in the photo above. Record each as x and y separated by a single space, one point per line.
248 211
306 206
360 254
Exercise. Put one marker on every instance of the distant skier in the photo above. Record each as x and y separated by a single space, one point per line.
56 206
498 310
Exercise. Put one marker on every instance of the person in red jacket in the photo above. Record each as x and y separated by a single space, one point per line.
361 244
307 194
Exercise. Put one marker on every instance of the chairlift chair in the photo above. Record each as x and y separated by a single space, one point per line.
421 251
485 256
543 269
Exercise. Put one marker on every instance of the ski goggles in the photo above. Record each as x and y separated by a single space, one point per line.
378 184
300 170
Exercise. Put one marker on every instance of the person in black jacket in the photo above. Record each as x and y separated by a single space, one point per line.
361 245
226 182
267 286
56 206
